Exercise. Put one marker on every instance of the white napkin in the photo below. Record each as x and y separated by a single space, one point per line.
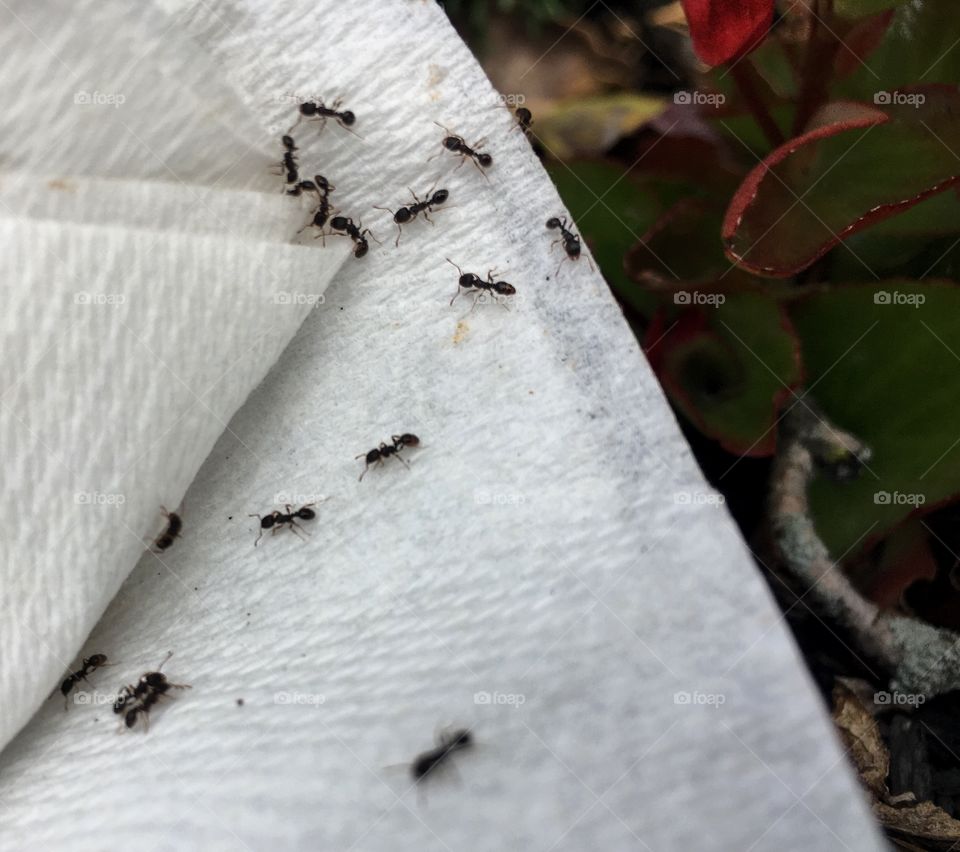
548 572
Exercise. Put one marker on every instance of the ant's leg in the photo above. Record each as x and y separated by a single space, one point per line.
456 294
261 530
295 526
480 169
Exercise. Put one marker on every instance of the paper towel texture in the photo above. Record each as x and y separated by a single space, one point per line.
542 573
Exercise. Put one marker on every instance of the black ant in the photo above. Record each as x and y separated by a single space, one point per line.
276 519
166 538
410 212
134 700
452 142
384 451
347 226
524 120
88 666
345 118
302 187
446 745
471 281
321 213
571 242
289 164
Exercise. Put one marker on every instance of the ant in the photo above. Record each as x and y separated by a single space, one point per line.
410 212
321 213
302 187
289 164
452 142
524 120
134 700
571 242
384 451
345 118
446 745
166 538
471 281
361 246
89 665
276 519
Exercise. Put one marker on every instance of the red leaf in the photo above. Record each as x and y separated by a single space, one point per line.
727 29
857 165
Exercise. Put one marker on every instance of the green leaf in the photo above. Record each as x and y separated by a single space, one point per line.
888 372
920 46
856 167
901 246
727 364
862 8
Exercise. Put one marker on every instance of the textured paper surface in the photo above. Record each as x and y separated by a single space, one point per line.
548 572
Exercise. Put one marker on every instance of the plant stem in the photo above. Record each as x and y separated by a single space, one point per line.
817 69
746 79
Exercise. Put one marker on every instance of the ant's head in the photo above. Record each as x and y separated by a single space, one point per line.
408 440
402 216
572 246
452 143
372 456
339 223
347 117
459 739
289 144
553 223
504 289
485 160
95 660
309 108
322 183
306 513
154 679
66 686
467 279
267 521
440 196
362 248
131 718
524 115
